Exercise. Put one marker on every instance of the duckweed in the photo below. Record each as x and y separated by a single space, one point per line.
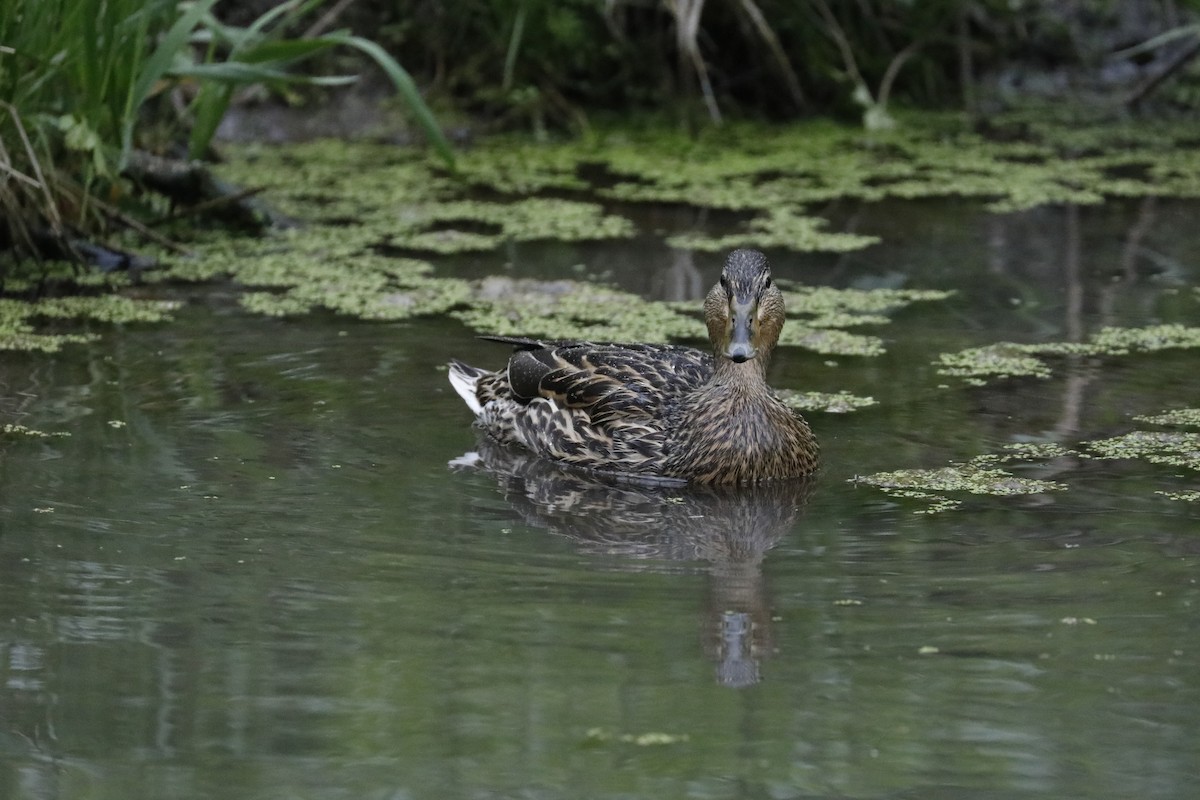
967 477
831 342
781 228
358 198
420 227
572 310
1186 497
1003 360
366 286
1180 417
354 201
1173 448
831 403
982 475
936 503
651 738
826 302
978 476
109 308
17 331
1031 451
977 365
41 342
13 429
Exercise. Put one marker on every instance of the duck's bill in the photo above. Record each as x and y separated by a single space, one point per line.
740 348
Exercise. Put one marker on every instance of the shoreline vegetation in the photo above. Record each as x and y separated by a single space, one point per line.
117 184
108 109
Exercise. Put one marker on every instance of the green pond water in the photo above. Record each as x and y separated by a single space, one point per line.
249 571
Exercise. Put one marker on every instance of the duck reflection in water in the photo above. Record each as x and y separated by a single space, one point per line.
730 528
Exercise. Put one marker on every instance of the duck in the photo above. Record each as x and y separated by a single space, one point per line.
655 413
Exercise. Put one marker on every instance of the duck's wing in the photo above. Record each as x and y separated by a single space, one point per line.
608 382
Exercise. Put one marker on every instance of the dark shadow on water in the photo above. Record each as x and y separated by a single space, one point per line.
728 528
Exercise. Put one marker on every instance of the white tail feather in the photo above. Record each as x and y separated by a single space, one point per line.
463 379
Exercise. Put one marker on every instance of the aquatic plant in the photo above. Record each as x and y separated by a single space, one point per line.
17 331
969 477
400 204
573 310
983 475
1172 448
978 365
430 226
13 429
782 228
1178 417
829 402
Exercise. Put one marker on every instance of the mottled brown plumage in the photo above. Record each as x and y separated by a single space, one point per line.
656 412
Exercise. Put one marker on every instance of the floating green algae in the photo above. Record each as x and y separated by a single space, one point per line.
110 308
1185 497
13 429
981 475
968 477
1173 448
935 503
1168 448
831 342
978 365
1179 417
829 402
1025 451
341 268
360 200
826 301
760 167
595 736
360 284
430 226
329 181
778 171
1121 341
995 361
516 165
572 310
17 331
780 228
364 199
820 312
575 310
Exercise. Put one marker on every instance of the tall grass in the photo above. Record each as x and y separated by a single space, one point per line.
69 73
84 82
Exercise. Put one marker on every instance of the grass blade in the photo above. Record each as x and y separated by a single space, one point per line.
155 67
405 86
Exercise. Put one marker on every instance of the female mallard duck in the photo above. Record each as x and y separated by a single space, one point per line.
656 412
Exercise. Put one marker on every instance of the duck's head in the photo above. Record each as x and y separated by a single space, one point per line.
744 311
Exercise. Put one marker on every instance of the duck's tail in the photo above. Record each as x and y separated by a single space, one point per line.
464 378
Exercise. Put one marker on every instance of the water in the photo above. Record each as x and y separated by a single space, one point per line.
248 571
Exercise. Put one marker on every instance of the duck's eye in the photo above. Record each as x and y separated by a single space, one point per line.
768 284
725 284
